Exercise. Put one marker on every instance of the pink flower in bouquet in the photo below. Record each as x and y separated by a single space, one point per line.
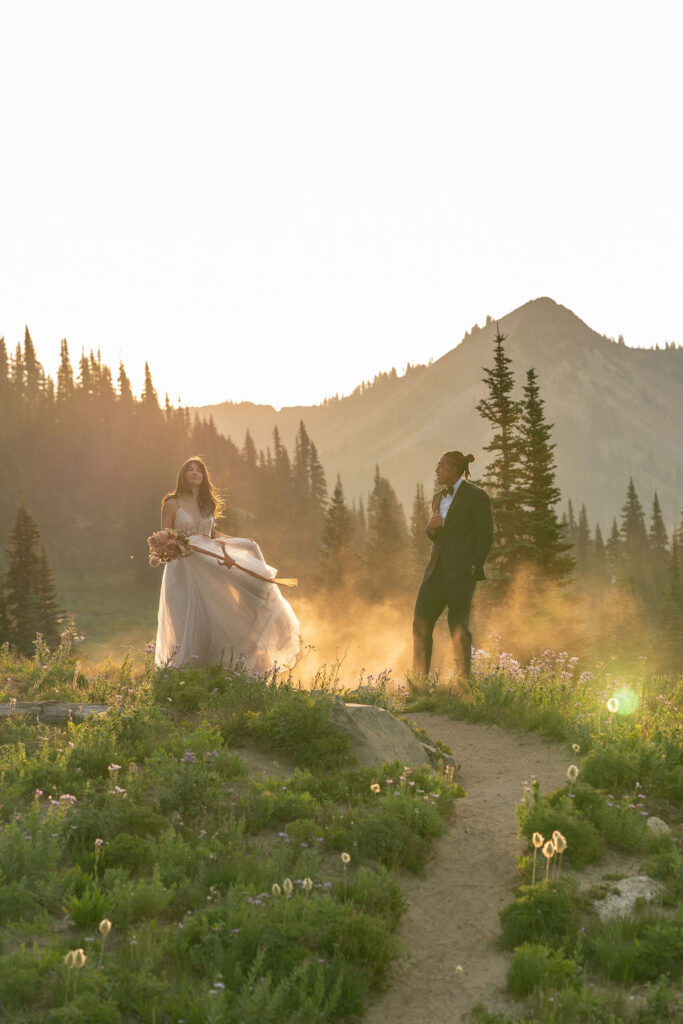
166 545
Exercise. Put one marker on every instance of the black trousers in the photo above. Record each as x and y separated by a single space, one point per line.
435 594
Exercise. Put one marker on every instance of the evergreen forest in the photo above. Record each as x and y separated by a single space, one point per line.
85 463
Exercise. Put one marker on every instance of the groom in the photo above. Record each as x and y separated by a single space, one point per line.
461 529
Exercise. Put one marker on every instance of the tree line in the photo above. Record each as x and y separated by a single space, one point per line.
91 461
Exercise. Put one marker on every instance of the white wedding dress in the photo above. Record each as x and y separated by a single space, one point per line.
209 614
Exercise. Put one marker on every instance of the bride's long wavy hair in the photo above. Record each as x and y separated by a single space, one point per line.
208 500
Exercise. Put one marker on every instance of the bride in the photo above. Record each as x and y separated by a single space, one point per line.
210 611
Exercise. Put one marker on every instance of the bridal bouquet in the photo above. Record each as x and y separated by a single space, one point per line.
166 545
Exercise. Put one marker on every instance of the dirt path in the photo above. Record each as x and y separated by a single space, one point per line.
452 916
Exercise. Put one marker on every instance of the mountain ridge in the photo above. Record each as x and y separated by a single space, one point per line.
618 412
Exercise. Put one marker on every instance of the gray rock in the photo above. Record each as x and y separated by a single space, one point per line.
376 736
658 827
622 899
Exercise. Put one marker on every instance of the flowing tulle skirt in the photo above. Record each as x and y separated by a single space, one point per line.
209 614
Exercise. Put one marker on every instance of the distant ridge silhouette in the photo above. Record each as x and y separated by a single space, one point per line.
618 412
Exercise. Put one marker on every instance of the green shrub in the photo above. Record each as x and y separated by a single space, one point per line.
546 913
298 725
637 949
88 909
536 966
556 811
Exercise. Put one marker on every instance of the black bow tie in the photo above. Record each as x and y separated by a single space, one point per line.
447 490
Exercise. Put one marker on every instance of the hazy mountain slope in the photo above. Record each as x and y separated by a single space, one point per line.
617 412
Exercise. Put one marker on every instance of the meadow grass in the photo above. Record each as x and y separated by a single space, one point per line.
196 891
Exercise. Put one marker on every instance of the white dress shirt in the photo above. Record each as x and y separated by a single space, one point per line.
447 499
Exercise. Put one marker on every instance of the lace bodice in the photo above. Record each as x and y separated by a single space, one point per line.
185 522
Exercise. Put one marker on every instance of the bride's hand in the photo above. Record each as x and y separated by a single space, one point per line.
228 562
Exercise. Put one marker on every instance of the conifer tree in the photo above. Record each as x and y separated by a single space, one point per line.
20 580
387 537
634 539
502 473
582 544
658 542
613 551
125 391
249 450
301 468
318 484
47 601
541 533
65 374
599 559
4 370
419 541
337 558
149 400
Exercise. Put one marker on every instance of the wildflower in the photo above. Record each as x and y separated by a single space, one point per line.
307 884
69 960
559 842
287 887
114 768
346 858
375 787
80 957
538 840
37 793
275 889
548 852
219 985
576 748
572 773
613 705
189 757
389 782
458 969
104 927
99 843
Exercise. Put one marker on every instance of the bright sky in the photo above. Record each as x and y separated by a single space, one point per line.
275 200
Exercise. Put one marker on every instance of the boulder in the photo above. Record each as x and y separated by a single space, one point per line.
658 827
377 736
623 897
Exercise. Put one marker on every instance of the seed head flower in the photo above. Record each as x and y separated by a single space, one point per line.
375 787
287 887
307 884
572 773
538 840
79 958
69 959
576 748
559 842
104 927
275 889
548 849
346 858
613 705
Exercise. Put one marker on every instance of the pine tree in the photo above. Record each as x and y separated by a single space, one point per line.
582 545
540 531
658 542
318 484
502 473
65 374
125 391
599 559
20 581
337 557
634 539
249 450
47 601
149 400
4 369
33 372
301 467
387 538
613 551
419 541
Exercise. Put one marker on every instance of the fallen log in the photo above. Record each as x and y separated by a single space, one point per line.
51 711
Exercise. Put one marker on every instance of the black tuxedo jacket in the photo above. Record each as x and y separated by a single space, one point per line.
466 536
